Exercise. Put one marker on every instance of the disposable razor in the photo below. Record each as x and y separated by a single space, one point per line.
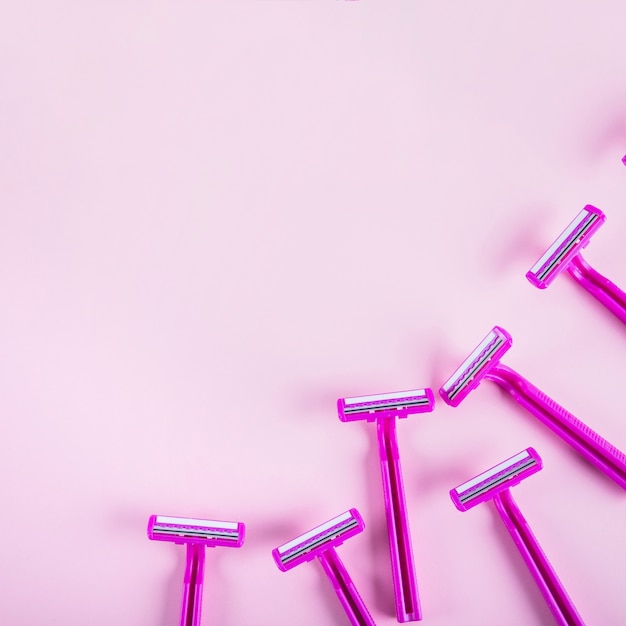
383 409
197 534
565 253
321 542
484 362
495 484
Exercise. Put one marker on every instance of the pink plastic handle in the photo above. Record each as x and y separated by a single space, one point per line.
402 565
192 589
344 588
599 452
554 593
601 288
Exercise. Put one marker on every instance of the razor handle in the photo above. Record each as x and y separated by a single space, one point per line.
561 605
601 288
597 450
344 588
402 564
192 586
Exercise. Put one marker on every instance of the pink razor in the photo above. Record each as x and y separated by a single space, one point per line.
484 362
384 408
565 253
321 542
196 534
494 484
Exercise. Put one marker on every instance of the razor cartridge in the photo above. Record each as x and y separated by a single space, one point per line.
384 408
185 530
483 358
503 476
197 534
565 253
484 363
567 245
396 404
321 542
495 484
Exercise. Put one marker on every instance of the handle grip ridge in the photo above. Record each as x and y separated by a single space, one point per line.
597 450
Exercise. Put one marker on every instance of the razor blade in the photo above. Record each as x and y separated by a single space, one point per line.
328 535
482 359
395 404
567 245
210 533
500 477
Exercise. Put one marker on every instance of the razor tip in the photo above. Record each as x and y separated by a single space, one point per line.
382 405
328 535
469 374
566 246
486 485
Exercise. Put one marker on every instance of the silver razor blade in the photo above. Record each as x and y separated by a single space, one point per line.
468 375
401 403
331 533
502 476
567 245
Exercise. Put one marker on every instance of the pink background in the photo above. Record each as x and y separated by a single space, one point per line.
217 218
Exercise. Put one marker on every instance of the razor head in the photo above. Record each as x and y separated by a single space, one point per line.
396 404
328 535
503 476
209 533
567 245
468 375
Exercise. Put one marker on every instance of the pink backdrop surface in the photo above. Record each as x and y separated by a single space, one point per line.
217 218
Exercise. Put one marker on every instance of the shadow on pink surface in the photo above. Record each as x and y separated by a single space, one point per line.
609 133
171 594
380 566
517 241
